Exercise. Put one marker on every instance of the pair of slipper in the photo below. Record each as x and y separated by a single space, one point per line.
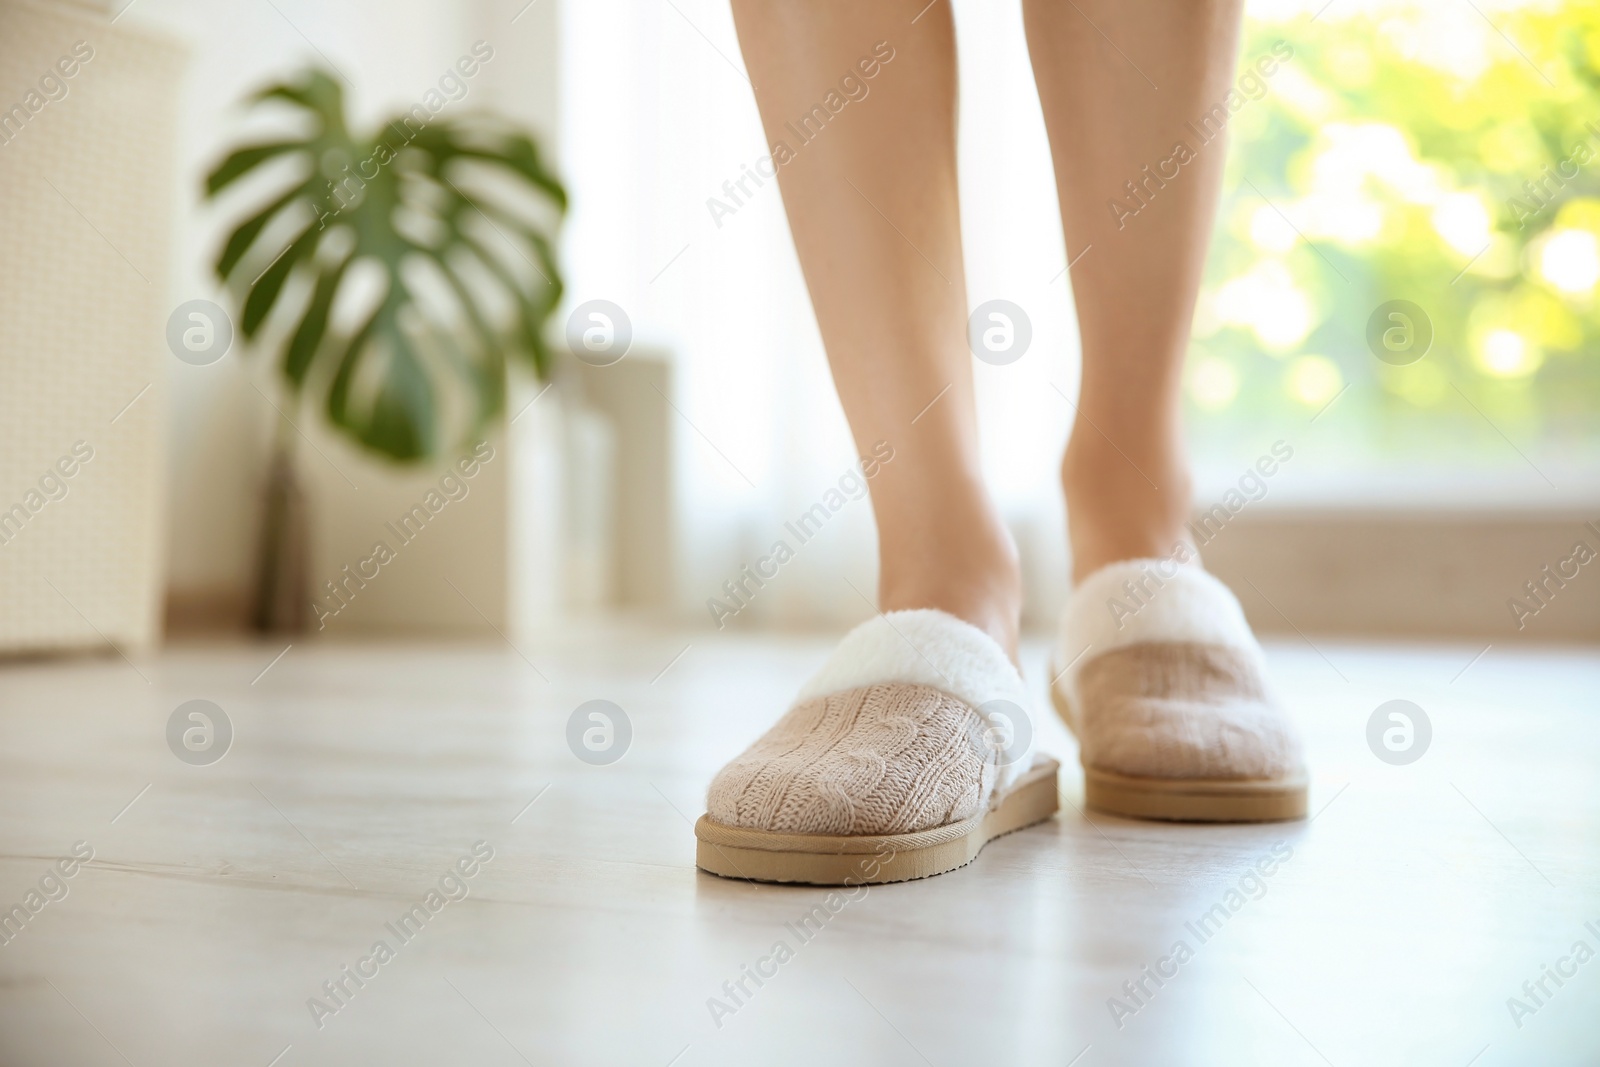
912 748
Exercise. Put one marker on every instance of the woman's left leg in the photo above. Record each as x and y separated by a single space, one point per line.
1159 673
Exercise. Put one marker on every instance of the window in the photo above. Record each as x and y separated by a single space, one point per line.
1441 154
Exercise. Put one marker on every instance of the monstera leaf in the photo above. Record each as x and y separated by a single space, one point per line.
445 216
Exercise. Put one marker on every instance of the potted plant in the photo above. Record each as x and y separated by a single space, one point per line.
397 274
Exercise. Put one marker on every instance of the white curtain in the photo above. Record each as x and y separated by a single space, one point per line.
657 115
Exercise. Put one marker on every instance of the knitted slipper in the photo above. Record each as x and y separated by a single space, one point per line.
901 758
1159 676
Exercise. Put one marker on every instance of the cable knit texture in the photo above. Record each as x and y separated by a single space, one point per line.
1182 710
888 758
1164 679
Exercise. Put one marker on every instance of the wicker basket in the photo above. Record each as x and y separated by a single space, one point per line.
86 193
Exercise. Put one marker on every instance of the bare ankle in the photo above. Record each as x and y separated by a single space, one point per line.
1121 507
973 575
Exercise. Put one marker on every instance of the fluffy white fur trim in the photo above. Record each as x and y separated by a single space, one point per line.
933 648
1139 600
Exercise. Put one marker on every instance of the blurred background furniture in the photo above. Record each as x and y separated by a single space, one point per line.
88 169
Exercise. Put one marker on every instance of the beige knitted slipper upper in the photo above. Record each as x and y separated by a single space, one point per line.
896 733
1165 680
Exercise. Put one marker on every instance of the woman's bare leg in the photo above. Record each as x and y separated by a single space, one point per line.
871 200
1113 110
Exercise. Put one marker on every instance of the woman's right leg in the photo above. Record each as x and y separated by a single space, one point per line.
902 730
871 199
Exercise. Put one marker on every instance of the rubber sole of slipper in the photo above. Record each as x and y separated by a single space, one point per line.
827 859
1187 799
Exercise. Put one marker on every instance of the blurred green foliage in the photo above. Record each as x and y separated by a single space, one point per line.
390 200
1421 152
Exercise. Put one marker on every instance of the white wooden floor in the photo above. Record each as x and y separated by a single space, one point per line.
220 898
